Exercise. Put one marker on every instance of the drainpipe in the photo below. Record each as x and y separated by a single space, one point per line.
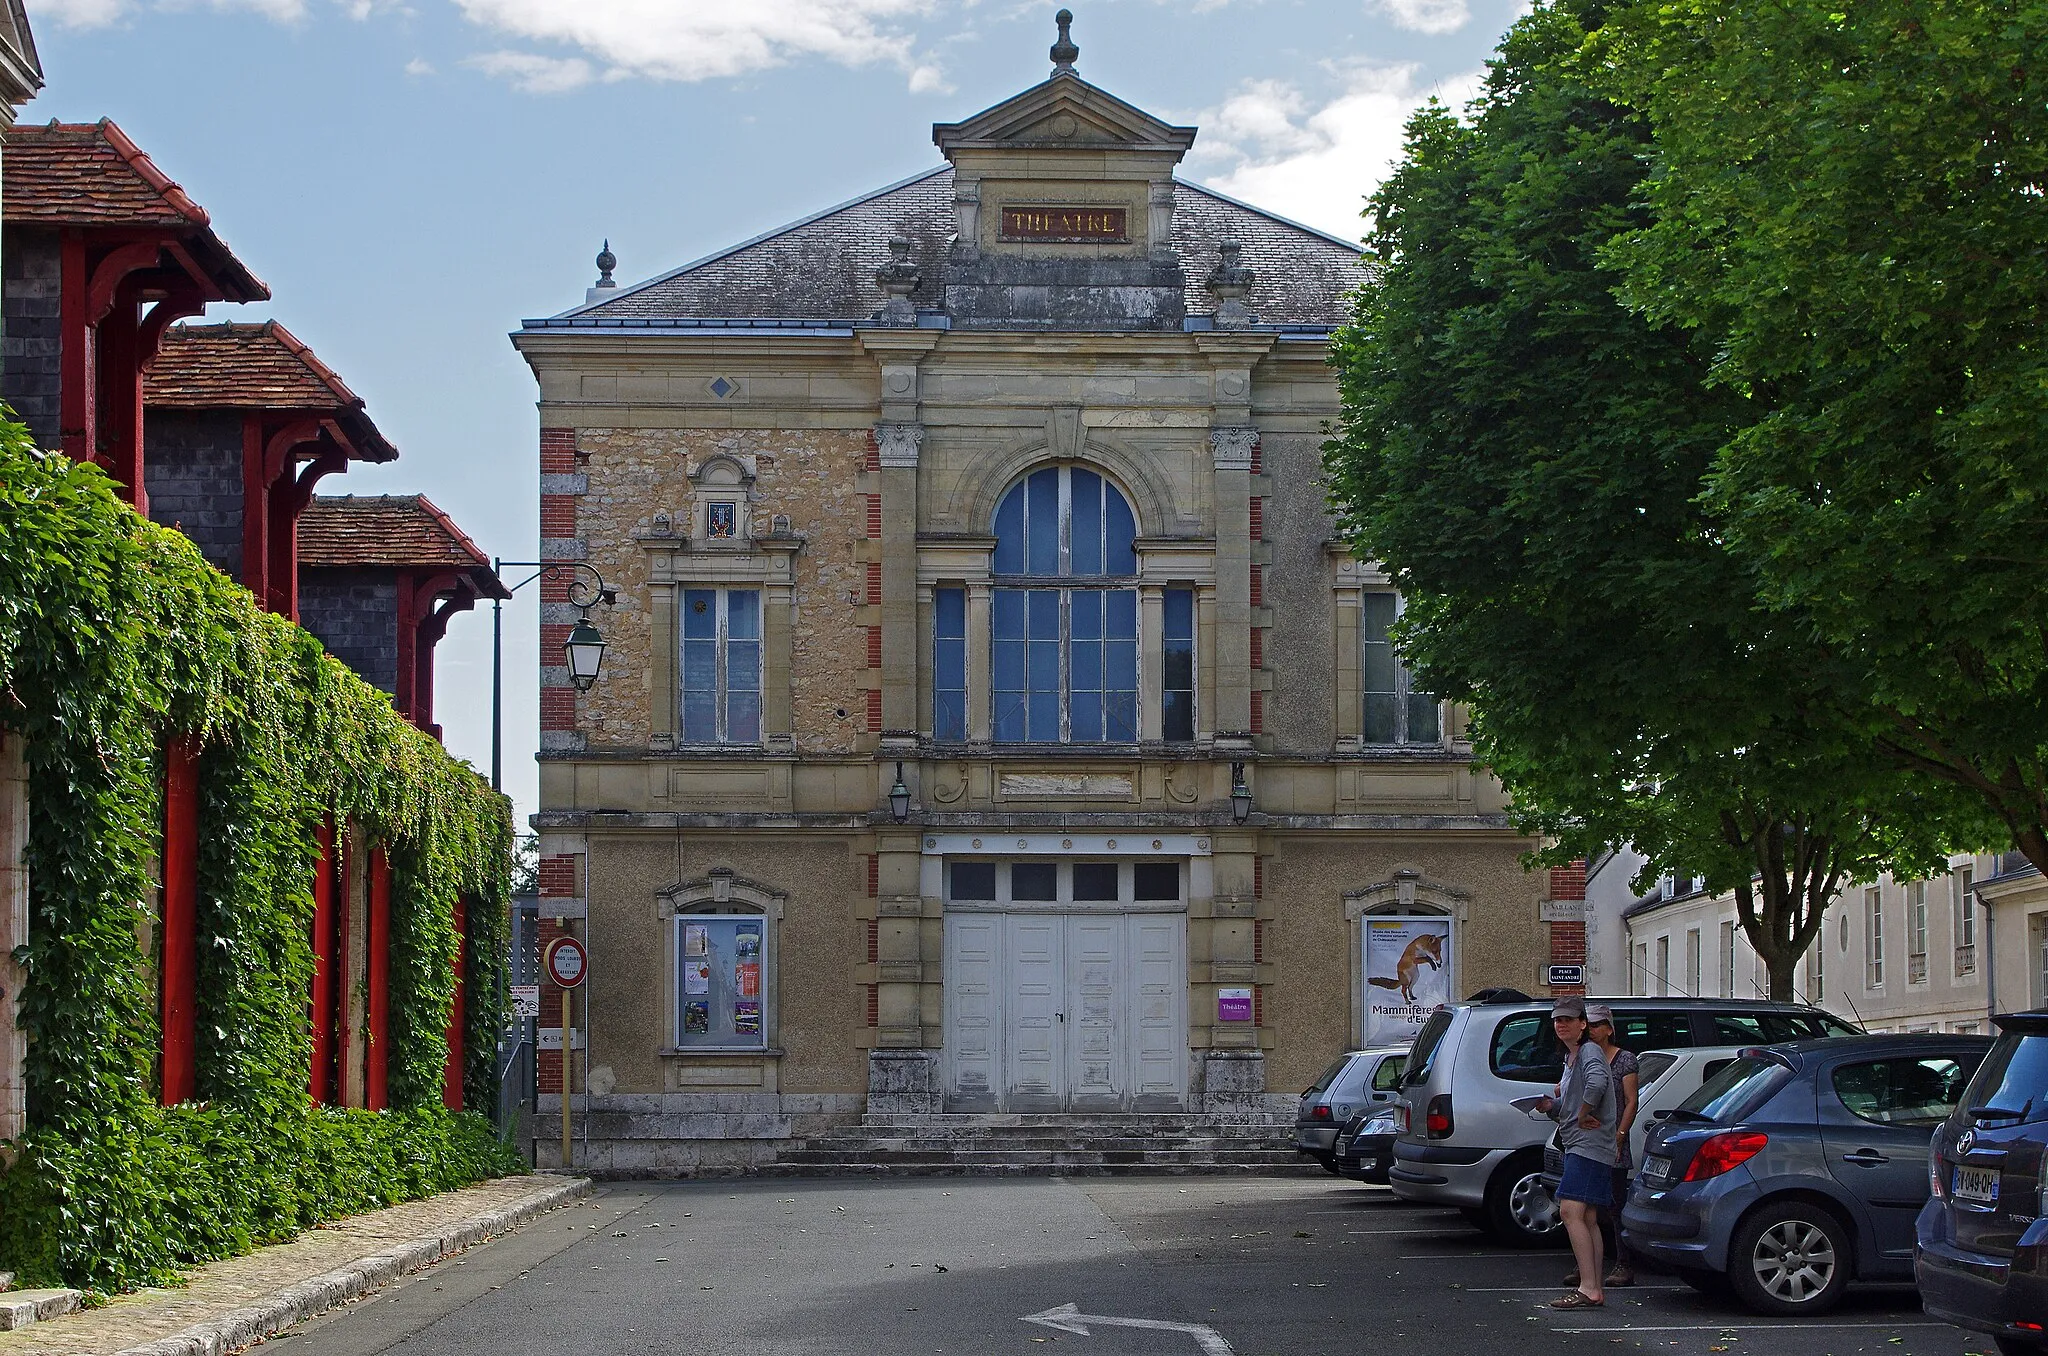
1990 958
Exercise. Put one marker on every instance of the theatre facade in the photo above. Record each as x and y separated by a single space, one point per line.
990 719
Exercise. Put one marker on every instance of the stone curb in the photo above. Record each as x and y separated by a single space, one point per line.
317 1294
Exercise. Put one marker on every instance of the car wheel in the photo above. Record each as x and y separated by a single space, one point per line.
1791 1258
1520 1211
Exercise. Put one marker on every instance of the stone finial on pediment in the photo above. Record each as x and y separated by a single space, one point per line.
1230 282
898 279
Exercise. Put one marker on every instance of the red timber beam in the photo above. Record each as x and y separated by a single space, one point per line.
178 951
327 985
104 327
275 490
458 1011
460 596
377 985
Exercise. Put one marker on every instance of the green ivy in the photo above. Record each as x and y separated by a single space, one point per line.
116 636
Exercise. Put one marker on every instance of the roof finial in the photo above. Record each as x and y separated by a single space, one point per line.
1064 53
606 262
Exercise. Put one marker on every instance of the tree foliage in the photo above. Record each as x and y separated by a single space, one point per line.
1850 205
1526 459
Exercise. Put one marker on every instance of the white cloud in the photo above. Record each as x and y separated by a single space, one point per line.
100 13
1423 16
534 74
707 39
419 66
1316 162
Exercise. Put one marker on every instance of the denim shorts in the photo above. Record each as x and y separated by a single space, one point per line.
1586 1180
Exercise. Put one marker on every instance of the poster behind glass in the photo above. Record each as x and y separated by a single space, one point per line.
719 990
1407 975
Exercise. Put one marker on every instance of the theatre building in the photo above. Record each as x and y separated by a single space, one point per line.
990 719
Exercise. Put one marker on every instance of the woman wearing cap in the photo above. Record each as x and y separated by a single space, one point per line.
1586 1111
1622 1065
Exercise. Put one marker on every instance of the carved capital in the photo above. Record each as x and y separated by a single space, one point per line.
1233 447
898 444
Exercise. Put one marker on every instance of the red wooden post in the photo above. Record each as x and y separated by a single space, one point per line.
119 377
75 399
408 646
282 572
325 970
178 956
376 1093
255 511
451 1076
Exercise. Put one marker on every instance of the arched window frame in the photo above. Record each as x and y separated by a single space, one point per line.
722 895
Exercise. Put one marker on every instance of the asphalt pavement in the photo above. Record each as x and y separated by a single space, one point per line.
1105 1266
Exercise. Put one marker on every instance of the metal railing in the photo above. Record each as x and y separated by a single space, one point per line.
515 1089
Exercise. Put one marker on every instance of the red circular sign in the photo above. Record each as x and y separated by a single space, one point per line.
566 962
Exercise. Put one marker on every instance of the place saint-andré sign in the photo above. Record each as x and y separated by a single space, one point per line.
1065 225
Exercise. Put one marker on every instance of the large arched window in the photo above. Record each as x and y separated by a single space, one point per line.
1063 627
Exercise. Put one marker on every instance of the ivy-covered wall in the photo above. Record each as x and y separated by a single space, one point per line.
115 637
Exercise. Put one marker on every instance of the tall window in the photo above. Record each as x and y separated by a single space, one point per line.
1395 712
1639 977
721 639
1916 932
1692 963
1177 683
1663 966
1963 895
1873 937
949 664
1817 971
1728 958
1063 652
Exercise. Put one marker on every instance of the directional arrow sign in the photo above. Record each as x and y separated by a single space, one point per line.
1069 1318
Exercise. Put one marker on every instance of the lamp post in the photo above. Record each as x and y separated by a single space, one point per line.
584 649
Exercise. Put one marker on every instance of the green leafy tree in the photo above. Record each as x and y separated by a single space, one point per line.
1849 207
1526 458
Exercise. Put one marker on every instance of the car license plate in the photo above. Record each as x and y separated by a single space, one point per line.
1656 1169
1977 1184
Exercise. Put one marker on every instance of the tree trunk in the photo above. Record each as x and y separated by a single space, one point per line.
1782 907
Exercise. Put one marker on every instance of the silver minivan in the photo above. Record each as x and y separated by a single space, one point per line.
1458 1142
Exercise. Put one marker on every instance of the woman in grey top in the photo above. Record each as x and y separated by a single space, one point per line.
1586 1112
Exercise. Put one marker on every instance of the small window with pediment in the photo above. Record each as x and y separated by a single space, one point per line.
724 485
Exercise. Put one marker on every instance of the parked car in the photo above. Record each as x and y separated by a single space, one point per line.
1365 1146
1458 1142
1799 1168
1360 1080
1664 1078
1981 1254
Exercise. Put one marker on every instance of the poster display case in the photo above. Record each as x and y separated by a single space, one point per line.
721 960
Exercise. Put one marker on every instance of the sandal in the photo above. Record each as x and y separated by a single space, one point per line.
1571 1279
1578 1299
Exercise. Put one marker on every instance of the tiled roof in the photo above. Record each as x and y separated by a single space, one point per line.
823 267
255 367
90 174
392 531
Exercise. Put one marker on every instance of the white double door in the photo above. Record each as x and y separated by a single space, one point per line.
1066 1011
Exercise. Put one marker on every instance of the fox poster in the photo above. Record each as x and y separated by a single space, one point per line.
1407 974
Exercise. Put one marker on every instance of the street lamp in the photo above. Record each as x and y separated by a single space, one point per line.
584 649
1240 795
899 798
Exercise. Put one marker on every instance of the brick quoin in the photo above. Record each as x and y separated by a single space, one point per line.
557 708
558 515
875 582
1258 586
1568 882
1258 520
874 1005
1258 647
874 939
554 585
1258 455
553 636
1258 878
557 877
874 517
874 711
1258 942
874 647
874 882
874 457
1258 713
557 451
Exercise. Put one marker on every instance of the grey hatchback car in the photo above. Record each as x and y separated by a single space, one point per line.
1799 1168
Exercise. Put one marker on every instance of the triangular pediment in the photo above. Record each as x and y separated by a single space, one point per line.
1063 111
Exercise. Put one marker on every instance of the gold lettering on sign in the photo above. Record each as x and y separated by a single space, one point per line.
1064 224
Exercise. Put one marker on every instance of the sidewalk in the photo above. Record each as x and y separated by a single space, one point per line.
232 1303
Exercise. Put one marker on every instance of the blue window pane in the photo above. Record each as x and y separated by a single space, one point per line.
1120 717
1422 719
743 614
700 613
743 666
1122 662
1009 717
1085 490
949 715
700 691
1119 529
1006 663
1177 716
1121 606
949 666
1043 521
1045 717
1180 614
1007 614
1087 717
743 718
950 608
1045 614
1010 533
1084 607
1086 665
1382 711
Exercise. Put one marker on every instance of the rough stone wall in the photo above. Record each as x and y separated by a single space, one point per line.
355 614
1299 645
819 944
1312 947
813 477
31 278
192 468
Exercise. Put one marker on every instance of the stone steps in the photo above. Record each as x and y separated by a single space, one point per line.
973 1167
19 1308
1073 1143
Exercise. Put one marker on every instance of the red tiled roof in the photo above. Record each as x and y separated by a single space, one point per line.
255 367
90 174
394 531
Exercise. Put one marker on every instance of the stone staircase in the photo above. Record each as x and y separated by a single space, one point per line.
1074 1144
19 1308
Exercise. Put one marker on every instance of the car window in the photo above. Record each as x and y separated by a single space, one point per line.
1640 1031
1352 1081
1904 1091
1427 1042
1326 1078
1769 1028
1652 1067
1736 1090
1525 1050
1388 1076
2013 1081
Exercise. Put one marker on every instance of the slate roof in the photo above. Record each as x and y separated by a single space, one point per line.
394 531
91 175
823 266
255 367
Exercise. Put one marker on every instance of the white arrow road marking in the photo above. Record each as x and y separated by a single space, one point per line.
1069 1318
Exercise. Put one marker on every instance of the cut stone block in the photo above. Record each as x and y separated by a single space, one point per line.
19 1308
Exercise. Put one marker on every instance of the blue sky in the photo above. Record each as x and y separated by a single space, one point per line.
413 177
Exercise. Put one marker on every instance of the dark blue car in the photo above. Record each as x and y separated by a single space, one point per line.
1799 1168
1982 1262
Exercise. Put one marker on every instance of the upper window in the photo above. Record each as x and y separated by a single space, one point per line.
1396 712
721 640
1065 521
